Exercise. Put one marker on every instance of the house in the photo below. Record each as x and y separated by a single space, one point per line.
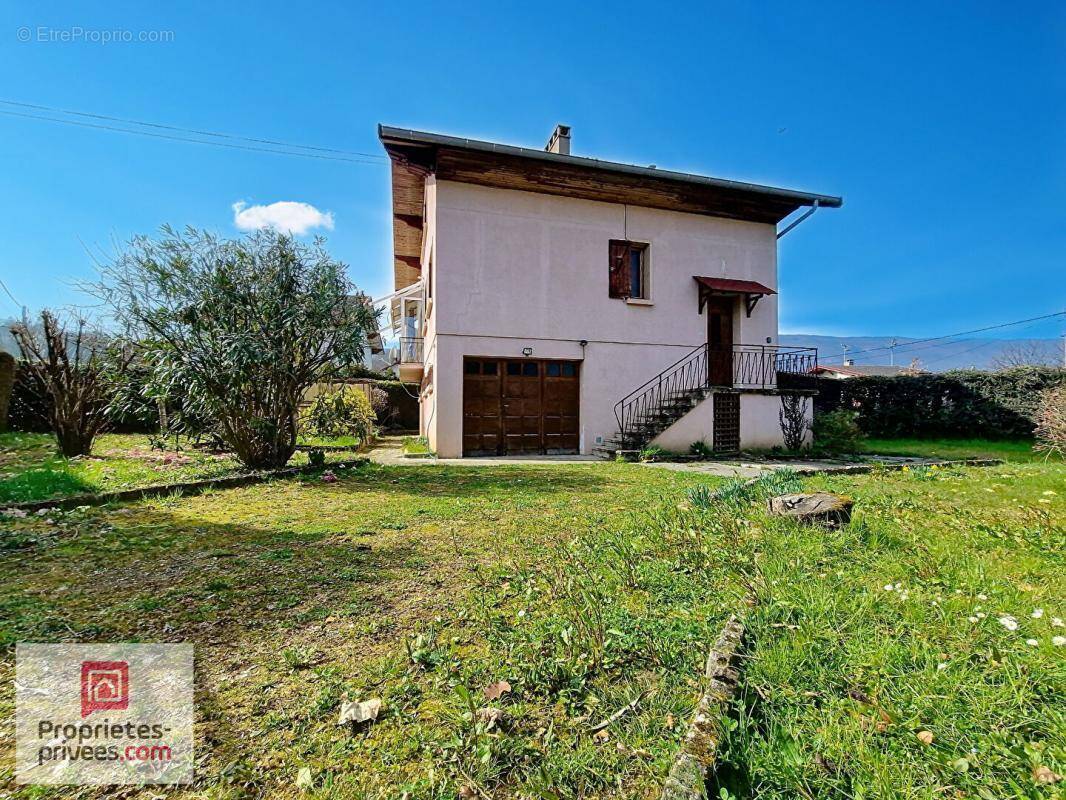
850 369
549 303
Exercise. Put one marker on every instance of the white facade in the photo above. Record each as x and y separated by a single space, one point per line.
505 272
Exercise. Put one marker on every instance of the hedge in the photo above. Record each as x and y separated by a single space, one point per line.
963 403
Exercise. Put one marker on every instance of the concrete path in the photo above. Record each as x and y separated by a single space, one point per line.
737 468
389 451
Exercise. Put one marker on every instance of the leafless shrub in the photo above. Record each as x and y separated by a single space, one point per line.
1051 421
793 418
74 367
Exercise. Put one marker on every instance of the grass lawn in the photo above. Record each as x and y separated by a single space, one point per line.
584 587
413 584
31 469
934 612
1008 450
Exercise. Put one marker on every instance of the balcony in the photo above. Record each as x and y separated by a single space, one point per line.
410 359
756 366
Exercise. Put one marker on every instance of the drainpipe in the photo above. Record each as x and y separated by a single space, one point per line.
806 214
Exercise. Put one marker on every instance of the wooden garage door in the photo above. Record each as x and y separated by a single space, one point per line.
519 406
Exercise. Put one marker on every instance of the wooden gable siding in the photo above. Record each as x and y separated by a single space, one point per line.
505 171
408 201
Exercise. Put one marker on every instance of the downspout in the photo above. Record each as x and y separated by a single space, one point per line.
806 214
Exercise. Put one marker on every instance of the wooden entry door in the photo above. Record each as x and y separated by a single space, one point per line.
720 340
520 406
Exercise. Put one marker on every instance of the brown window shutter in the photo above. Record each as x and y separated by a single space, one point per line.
618 274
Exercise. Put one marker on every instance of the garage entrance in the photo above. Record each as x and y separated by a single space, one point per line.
519 406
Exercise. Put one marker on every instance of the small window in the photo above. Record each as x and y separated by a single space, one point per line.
568 369
472 368
514 367
488 368
628 270
551 369
529 369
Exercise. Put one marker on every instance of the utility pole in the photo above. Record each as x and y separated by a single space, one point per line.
845 349
892 351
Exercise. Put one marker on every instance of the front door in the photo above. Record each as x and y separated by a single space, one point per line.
720 340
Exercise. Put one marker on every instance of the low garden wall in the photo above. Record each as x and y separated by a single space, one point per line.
963 403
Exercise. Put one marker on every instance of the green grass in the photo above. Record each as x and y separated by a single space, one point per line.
416 445
31 469
867 636
419 585
1009 450
584 586
354 442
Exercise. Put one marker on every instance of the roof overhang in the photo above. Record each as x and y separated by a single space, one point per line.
751 291
506 166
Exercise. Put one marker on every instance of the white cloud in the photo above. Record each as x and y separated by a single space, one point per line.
285 216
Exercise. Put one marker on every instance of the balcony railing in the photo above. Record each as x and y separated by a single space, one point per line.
411 349
756 366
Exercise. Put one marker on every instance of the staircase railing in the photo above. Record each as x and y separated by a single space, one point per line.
743 366
638 408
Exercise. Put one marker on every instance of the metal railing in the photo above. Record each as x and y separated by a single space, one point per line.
743 366
411 349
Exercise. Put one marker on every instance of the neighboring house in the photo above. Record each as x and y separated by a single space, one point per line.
548 303
851 370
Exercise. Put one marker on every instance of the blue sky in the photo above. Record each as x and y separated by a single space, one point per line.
942 125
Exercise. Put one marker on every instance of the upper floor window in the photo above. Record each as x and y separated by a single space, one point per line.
628 270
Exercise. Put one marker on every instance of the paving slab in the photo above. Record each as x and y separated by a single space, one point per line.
389 451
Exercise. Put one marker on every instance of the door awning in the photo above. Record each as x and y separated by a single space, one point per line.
751 291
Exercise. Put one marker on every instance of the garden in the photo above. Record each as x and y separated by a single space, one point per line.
501 614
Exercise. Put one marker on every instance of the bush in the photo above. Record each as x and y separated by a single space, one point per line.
1051 421
7 383
793 420
239 329
344 411
701 449
76 368
837 432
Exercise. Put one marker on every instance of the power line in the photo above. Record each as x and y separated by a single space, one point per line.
8 293
956 335
128 121
193 141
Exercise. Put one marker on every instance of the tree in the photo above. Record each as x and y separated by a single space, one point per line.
238 329
1027 353
74 367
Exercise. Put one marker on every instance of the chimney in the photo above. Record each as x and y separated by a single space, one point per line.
560 141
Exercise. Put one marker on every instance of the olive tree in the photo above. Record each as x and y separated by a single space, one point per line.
238 329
